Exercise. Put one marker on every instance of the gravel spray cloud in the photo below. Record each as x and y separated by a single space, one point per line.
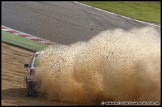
115 65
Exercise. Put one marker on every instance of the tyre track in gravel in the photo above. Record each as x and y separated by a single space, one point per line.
13 85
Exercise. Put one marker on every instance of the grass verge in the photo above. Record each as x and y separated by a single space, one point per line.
145 11
22 42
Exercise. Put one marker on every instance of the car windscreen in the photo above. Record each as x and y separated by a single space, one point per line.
34 61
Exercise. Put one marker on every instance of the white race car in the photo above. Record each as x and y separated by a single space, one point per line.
31 84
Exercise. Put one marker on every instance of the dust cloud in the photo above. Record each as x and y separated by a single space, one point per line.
115 65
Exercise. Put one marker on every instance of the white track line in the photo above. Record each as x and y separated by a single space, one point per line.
116 14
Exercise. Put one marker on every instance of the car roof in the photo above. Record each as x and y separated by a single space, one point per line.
40 52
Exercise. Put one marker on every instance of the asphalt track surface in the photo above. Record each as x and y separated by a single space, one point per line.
62 22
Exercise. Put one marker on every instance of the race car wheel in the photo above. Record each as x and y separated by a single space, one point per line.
31 91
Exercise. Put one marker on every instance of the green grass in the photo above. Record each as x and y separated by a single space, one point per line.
22 42
145 11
